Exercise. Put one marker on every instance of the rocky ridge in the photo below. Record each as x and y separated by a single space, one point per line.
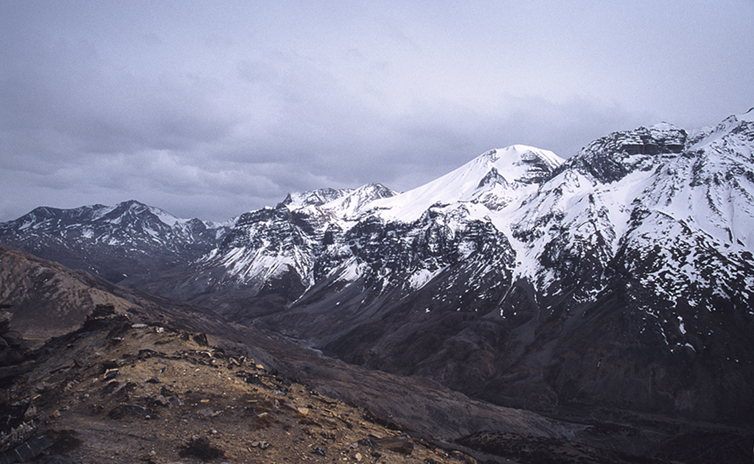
129 392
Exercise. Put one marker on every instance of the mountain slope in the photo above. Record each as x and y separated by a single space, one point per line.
271 256
48 300
619 278
494 179
132 380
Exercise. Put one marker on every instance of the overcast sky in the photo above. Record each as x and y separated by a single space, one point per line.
212 108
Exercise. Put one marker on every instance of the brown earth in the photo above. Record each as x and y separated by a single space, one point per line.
128 394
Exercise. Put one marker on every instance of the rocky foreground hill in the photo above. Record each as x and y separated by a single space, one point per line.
134 382
128 392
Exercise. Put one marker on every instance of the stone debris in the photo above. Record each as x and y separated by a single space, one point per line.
402 444
132 401
19 419
26 451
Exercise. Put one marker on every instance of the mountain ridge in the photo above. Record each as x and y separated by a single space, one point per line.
627 231
127 240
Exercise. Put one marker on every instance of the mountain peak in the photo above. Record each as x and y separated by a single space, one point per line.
505 174
132 204
525 164
150 239
318 197
340 202
612 157
737 126
748 116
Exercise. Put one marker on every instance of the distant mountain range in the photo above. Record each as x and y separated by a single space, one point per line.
621 279
128 240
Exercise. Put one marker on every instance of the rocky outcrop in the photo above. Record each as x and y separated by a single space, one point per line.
127 392
19 421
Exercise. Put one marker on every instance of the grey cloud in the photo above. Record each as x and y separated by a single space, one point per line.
151 39
162 139
69 89
211 121
257 71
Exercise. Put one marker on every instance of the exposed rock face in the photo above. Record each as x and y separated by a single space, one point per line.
13 349
611 158
19 421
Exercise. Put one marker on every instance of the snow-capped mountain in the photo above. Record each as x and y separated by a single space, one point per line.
127 240
622 276
494 179
370 233
273 250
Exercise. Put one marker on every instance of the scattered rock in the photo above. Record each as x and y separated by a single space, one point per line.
129 411
27 450
107 365
127 389
201 339
160 401
208 412
199 447
110 387
402 445
387 423
15 436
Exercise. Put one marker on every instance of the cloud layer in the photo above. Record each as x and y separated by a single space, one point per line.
213 109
